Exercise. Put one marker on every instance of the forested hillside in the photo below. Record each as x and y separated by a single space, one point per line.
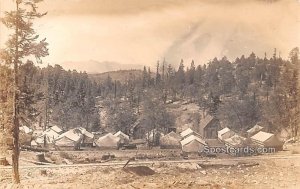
240 93
52 95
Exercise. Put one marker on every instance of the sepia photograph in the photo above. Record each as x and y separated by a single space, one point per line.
149 94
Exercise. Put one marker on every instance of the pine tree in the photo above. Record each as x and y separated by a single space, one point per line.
158 77
22 44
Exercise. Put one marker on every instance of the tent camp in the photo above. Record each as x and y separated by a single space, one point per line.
170 141
69 140
123 137
254 130
188 132
108 141
192 144
268 140
225 133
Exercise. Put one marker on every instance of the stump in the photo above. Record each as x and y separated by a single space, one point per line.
41 158
3 161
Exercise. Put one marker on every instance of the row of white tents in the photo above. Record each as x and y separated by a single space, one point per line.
191 141
74 138
188 140
256 137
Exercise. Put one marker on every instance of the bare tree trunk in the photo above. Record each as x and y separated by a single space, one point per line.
16 149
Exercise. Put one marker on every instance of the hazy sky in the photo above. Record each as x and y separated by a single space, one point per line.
143 31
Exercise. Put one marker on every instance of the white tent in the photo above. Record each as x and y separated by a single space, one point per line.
26 129
124 138
56 129
88 137
33 143
225 133
188 132
235 141
265 139
254 130
25 135
170 140
192 144
49 135
71 138
108 141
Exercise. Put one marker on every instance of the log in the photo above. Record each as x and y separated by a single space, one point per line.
34 149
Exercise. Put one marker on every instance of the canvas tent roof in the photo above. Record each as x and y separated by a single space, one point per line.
171 138
86 133
56 129
121 134
235 140
73 134
187 132
26 129
255 128
37 132
190 139
262 136
108 140
173 135
49 135
33 143
40 139
223 131
70 138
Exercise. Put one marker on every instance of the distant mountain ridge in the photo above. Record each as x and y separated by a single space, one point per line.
94 67
120 75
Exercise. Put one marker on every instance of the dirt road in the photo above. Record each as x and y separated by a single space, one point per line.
274 171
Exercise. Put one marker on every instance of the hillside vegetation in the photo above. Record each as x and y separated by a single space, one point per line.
240 94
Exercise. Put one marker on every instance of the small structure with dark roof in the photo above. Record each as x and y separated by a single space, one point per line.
209 126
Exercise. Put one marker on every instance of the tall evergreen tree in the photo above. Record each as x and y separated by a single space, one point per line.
22 44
